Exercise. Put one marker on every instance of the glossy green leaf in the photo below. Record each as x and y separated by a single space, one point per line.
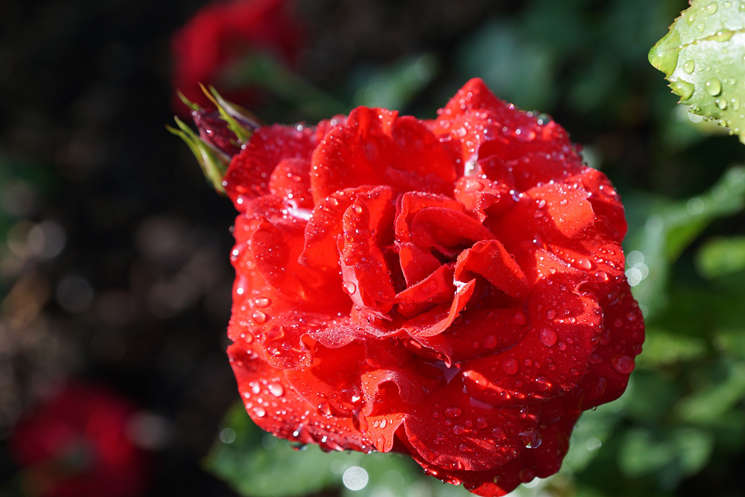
702 58
721 256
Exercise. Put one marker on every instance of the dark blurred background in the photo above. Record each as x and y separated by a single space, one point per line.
114 265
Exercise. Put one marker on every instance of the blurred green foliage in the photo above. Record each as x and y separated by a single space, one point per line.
680 426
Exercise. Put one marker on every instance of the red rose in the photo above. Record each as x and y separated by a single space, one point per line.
76 445
220 34
452 289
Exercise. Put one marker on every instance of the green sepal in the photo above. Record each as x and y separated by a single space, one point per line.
228 111
187 102
213 162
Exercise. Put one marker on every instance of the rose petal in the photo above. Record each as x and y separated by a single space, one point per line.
365 274
553 355
437 288
446 230
249 172
284 412
325 224
416 264
477 333
436 321
291 180
469 437
482 196
491 260
375 146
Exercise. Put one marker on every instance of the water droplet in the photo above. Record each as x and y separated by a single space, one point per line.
584 263
525 134
722 104
510 366
623 364
453 412
714 87
358 209
350 287
682 88
711 8
550 314
689 66
548 337
259 317
481 423
531 439
259 412
262 302
458 430
276 389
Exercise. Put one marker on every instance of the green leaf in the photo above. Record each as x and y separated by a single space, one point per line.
395 86
662 348
668 454
651 395
731 342
669 228
721 256
719 388
702 58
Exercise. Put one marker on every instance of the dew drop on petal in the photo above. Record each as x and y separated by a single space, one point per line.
623 364
259 317
548 337
276 389
452 412
262 302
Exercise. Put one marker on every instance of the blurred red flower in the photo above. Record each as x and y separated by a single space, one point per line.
76 445
220 35
452 289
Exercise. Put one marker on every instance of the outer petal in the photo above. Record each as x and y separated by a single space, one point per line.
250 171
377 147
276 406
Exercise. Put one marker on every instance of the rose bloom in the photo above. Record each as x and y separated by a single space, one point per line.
452 289
224 33
75 444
